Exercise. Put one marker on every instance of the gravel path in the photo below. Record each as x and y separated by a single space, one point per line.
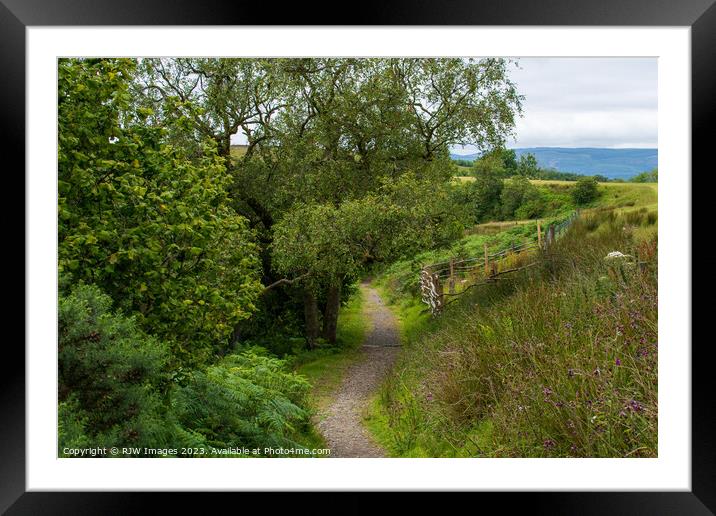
341 425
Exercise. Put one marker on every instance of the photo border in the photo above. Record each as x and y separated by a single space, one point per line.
16 15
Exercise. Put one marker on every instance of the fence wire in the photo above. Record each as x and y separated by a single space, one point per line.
481 269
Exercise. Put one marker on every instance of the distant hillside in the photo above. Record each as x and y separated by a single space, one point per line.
612 163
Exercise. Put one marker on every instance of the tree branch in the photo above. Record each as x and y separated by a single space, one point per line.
284 281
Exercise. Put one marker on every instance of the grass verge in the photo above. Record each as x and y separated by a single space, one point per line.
560 361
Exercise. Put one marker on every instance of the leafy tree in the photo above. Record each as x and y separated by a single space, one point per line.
646 177
499 161
324 132
484 196
463 162
585 191
327 247
489 165
521 199
147 223
528 166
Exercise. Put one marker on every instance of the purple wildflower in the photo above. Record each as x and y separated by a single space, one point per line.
618 362
429 396
549 444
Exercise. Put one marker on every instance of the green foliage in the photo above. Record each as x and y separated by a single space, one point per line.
521 199
463 163
527 166
142 220
646 177
326 242
115 389
585 191
111 375
484 196
244 400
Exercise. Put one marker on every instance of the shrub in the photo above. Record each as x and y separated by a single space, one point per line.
517 192
585 191
111 375
244 400
115 389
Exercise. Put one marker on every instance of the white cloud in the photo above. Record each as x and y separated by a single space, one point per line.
587 102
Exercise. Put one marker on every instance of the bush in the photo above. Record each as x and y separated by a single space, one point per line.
111 375
146 222
244 400
585 191
517 192
483 196
115 389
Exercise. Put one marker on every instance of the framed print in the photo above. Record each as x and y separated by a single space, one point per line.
429 246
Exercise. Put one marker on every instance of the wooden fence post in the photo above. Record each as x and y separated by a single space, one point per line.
551 234
451 283
487 262
539 235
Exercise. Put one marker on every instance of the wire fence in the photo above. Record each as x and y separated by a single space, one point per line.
459 275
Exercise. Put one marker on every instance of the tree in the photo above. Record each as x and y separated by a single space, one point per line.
585 191
499 161
521 199
489 165
528 166
328 247
646 177
330 131
484 195
148 224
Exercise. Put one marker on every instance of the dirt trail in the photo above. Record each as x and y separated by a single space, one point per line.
342 423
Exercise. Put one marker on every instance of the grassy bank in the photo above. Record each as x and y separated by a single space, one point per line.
560 361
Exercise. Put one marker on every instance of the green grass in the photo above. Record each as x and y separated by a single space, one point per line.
237 151
324 367
625 196
561 361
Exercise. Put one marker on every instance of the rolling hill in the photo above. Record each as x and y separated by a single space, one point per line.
612 163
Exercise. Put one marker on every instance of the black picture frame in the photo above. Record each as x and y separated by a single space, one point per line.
17 15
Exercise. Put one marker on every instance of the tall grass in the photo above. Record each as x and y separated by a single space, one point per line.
560 361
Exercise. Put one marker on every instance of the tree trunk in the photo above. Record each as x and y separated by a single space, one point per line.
310 311
330 316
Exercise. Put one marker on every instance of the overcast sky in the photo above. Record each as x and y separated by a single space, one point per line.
586 102
583 102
